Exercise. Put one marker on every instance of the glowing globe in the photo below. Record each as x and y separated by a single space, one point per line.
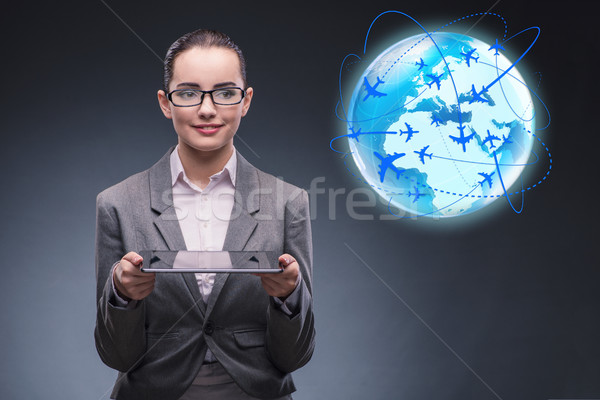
441 126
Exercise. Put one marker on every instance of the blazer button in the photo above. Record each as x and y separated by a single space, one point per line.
209 328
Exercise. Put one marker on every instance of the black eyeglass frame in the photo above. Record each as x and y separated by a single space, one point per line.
209 92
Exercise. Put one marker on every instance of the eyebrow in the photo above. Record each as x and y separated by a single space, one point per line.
192 84
218 85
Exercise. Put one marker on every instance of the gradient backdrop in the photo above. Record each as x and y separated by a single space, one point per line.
506 308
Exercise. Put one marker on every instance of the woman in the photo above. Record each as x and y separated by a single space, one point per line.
208 336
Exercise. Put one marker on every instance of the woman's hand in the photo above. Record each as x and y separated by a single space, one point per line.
131 283
282 284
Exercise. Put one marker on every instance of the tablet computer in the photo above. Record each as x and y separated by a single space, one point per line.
210 261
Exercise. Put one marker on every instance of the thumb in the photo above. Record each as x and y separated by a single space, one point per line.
285 260
133 258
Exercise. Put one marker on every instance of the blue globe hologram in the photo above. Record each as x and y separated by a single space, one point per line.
441 125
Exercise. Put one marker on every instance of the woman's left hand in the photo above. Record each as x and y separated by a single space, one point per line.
282 284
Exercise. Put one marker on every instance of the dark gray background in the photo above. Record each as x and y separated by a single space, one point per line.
506 307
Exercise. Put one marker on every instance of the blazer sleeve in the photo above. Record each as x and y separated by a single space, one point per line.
290 341
120 331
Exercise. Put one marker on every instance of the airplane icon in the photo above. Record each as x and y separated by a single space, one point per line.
422 154
355 135
417 194
486 178
469 56
435 79
371 90
421 64
462 139
496 47
386 163
409 132
477 96
490 138
435 120
506 140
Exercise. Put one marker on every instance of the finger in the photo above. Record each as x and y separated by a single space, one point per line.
142 286
133 258
130 283
141 279
267 279
129 269
269 286
135 271
272 290
290 273
280 279
139 290
279 287
286 259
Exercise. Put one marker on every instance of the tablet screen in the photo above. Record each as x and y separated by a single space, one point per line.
210 261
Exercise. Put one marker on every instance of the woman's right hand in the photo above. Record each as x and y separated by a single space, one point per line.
131 283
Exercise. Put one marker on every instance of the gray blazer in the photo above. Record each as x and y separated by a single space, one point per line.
159 345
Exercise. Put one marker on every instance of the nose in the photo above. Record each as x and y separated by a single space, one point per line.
207 108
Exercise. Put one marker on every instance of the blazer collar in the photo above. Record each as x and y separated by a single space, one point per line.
161 193
246 186
241 225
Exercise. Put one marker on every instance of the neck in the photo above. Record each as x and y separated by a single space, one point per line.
200 165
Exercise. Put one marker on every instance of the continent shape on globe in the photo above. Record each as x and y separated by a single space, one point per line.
434 131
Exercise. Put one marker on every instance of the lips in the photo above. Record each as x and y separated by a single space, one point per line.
207 129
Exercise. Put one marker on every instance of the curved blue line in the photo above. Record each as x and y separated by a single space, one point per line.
438 210
532 91
459 111
340 83
379 115
362 133
484 163
331 143
426 186
504 188
518 59
506 99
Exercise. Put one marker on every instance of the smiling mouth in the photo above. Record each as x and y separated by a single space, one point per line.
207 129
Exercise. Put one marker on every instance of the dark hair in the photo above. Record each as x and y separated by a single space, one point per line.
200 38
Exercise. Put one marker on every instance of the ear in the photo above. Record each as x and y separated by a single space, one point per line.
164 103
247 101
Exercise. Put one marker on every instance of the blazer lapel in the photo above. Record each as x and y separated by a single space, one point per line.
242 224
161 201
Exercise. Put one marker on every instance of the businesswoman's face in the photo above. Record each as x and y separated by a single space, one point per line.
206 127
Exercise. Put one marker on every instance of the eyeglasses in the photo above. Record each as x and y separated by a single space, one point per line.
192 97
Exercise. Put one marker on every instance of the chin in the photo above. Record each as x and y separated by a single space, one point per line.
207 144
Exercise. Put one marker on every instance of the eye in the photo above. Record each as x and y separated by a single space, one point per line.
225 94
186 94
